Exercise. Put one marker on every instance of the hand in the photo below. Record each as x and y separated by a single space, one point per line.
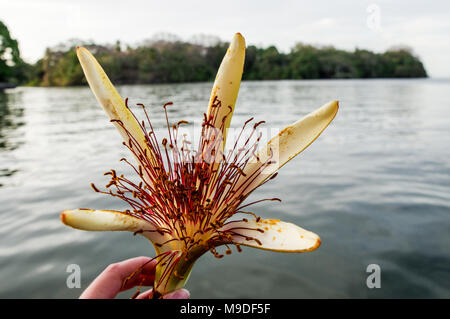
109 283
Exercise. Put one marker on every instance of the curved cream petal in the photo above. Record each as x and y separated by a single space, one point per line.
291 141
110 100
108 220
227 83
272 234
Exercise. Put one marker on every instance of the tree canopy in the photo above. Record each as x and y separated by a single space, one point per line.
12 68
172 61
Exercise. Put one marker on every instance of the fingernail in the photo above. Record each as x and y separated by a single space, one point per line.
178 294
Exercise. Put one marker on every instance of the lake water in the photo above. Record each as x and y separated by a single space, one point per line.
375 187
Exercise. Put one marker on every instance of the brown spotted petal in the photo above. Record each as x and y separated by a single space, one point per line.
272 234
287 144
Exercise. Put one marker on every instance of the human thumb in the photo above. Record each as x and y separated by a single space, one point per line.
178 294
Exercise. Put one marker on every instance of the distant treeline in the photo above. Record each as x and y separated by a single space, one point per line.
177 61
171 60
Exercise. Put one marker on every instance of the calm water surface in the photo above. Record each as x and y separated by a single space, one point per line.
375 186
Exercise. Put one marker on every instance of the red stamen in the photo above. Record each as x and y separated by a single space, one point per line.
191 194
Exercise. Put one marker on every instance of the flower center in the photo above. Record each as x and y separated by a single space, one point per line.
188 196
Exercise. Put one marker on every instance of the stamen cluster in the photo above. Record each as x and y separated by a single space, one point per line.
185 193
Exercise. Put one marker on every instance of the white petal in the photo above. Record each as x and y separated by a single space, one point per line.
108 220
227 83
272 234
291 141
110 100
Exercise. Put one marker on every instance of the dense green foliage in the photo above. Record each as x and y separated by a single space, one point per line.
177 61
12 69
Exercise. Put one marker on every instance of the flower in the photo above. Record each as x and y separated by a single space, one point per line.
185 200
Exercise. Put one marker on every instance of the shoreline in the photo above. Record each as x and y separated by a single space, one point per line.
4 85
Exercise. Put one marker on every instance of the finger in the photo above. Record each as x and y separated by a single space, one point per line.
177 294
143 276
145 295
138 280
109 283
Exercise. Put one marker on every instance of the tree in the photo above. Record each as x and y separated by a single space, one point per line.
304 62
12 68
167 59
402 63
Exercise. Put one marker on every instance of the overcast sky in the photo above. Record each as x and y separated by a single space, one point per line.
373 25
